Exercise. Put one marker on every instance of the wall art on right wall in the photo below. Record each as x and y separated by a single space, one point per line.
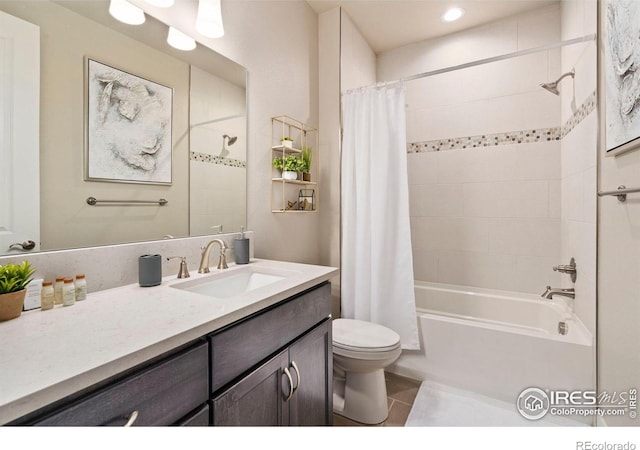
622 75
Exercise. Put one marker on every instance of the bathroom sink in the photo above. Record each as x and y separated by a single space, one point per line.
231 284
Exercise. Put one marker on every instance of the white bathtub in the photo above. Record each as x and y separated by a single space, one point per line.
497 343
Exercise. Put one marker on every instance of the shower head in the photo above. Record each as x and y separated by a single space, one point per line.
553 86
232 140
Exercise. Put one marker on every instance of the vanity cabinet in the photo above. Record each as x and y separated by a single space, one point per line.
165 393
281 369
271 368
291 388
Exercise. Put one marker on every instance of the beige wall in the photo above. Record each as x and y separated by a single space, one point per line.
618 268
346 61
66 219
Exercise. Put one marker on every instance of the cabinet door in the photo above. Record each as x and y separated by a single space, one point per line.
312 402
258 399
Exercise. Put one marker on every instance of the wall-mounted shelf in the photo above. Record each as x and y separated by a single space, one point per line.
297 195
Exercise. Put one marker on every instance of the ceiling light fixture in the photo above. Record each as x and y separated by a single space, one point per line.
452 14
209 19
161 3
177 39
125 12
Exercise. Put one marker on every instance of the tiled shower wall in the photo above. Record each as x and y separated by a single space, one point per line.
485 207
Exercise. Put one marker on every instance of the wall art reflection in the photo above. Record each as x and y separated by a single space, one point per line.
128 127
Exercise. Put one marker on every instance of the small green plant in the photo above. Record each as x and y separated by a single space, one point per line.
15 277
305 160
287 138
292 163
278 163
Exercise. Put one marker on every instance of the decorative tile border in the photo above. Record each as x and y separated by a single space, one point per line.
513 137
215 159
587 107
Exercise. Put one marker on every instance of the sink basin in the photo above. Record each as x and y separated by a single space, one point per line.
231 284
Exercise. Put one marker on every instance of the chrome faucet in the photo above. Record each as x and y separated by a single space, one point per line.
204 261
550 292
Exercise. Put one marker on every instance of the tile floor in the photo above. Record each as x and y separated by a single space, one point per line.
401 392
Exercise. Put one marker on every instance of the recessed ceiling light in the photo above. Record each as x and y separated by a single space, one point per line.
452 14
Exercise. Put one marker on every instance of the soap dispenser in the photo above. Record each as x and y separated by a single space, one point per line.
241 248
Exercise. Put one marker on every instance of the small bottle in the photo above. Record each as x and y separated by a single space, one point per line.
57 288
68 292
81 287
47 296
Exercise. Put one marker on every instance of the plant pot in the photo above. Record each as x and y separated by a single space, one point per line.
306 176
11 304
288 175
287 144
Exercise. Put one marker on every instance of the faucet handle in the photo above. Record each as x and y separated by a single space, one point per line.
222 262
184 271
567 268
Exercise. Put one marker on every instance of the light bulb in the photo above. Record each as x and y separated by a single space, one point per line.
452 14
177 39
209 19
125 12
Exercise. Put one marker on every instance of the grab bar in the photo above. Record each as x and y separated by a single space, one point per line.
93 202
621 192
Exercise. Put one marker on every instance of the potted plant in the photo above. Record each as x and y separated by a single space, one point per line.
13 280
305 163
291 167
287 142
278 163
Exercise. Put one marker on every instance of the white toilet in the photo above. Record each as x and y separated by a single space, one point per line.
361 351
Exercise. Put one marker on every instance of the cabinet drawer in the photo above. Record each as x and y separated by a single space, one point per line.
237 349
161 394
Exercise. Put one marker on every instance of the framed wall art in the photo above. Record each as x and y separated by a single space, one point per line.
622 75
128 127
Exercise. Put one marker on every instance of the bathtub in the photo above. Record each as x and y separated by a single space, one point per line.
497 343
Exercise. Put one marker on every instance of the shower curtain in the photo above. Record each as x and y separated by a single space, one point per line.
377 263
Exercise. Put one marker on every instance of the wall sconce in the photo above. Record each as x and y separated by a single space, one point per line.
125 12
177 39
209 19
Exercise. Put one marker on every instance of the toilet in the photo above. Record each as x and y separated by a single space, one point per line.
361 351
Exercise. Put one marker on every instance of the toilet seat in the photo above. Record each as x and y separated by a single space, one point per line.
354 337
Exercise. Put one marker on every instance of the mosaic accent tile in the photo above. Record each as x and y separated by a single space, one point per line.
512 137
215 159
583 111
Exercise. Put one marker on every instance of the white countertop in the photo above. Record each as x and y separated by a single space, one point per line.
48 355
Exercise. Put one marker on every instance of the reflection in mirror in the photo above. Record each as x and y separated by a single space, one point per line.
208 189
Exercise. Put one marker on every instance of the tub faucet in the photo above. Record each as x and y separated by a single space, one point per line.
550 292
204 261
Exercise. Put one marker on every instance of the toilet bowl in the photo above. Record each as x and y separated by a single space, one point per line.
361 351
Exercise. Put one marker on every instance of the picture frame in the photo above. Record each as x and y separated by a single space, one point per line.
621 19
128 127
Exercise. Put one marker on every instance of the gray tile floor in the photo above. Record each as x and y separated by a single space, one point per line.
401 392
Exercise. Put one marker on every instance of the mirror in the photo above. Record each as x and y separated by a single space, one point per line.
207 192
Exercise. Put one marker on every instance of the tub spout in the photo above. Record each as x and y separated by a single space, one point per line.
550 292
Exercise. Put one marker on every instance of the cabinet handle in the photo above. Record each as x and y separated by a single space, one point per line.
295 367
288 374
132 418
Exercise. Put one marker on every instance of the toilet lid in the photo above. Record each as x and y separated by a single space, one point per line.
357 334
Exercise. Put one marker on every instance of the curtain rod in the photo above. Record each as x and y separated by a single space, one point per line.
579 40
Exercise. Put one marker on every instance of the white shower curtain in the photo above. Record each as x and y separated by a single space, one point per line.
377 263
